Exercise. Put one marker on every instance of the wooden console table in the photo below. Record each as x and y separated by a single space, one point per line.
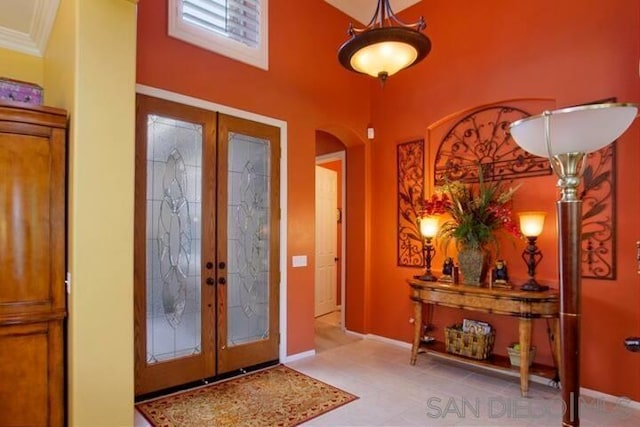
516 303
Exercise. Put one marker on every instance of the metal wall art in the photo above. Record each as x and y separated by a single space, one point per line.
481 137
598 192
410 157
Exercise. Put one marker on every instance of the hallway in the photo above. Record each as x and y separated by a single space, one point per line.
329 333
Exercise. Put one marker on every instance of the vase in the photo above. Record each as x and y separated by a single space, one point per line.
473 263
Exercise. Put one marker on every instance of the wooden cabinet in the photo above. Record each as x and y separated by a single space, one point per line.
32 264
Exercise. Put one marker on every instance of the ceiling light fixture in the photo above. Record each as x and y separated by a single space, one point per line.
381 49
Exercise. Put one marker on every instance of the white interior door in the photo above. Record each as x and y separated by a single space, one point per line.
326 240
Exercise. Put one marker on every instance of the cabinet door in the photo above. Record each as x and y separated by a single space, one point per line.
31 374
31 220
32 264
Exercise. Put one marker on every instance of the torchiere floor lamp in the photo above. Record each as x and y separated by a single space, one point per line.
566 136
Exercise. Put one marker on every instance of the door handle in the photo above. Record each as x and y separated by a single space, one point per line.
209 265
222 280
210 281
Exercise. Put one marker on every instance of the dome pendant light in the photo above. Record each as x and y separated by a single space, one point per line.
381 49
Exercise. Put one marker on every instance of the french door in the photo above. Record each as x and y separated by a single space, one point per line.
206 244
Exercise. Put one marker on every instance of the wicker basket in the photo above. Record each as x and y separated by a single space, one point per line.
466 344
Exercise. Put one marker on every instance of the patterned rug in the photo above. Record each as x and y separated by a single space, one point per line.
278 396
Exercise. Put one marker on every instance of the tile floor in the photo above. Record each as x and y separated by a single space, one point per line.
434 392
329 334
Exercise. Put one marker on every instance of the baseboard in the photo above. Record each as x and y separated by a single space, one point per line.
355 334
397 343
618 400
298 356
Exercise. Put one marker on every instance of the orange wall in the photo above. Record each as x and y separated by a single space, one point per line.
573 51
357 286
294 90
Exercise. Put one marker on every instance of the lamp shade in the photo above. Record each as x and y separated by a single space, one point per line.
386 57
429 226
384 51
532 223
581 129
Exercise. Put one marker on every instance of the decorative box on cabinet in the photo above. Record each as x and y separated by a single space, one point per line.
32 264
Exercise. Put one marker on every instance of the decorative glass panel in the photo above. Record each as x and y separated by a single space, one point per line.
248 239
174 183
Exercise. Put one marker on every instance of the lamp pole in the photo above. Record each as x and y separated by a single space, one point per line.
569 208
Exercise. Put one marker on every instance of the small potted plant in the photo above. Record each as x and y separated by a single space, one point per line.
514 354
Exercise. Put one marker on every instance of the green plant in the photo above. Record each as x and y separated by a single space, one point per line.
477 213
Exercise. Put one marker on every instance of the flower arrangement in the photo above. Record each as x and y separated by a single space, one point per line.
478 213
437 204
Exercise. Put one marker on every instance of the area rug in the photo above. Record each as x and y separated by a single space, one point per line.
278 396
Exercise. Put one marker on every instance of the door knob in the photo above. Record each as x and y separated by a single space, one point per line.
209 265
222 280
210 281
222 265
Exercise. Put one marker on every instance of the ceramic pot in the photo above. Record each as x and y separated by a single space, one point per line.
473 265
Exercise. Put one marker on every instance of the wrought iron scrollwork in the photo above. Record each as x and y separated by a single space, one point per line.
482 138
410 157
598 212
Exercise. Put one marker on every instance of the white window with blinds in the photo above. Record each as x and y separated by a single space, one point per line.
234 28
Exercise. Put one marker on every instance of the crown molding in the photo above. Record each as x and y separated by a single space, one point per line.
34 42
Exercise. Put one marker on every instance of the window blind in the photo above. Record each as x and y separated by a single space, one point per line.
237 19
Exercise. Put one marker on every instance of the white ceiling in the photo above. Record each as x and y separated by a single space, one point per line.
362 10
25 25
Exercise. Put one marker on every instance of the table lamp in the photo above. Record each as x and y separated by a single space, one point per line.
531 225
429 225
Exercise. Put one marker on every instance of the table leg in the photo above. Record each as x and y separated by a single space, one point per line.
525 345
417 327
557 349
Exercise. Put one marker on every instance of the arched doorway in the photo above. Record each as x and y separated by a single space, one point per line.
343 152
